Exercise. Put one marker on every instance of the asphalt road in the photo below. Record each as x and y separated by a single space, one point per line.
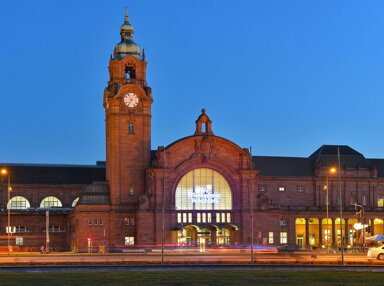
183 258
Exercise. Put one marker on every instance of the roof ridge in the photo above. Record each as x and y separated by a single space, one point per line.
48 165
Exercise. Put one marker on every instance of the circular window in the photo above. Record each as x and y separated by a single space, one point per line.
203 189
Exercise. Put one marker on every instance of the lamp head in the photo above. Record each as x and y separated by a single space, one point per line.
4 171
332 170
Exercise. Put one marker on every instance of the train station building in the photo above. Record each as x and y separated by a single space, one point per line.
202 190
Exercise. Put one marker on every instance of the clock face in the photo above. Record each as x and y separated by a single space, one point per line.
130 99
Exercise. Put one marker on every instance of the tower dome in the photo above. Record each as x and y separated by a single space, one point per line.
127 46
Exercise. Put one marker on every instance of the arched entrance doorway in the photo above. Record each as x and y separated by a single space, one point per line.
223 237
184 236
204 236
203 239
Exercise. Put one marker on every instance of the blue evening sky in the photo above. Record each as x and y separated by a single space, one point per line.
282 76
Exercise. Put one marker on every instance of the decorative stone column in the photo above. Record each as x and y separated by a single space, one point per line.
307 232
346 229
320 232
333 232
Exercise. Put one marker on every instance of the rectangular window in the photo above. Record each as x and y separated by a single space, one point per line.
131 128
228 217
380 203
95 221
262 188
217 217
129 240
283 237
364 200
270 237
198 217
222 217
19 241
352 200
281 189
209 218
300 189
184 217
100 221
132 221
189 217
204 216
54 228
126 221
179 218
20 228
89 221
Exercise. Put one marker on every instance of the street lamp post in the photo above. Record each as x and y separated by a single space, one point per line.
9 189
341 207
327 211
326 189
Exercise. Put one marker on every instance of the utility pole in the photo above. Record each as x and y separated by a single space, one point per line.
251 201
341 208
162 211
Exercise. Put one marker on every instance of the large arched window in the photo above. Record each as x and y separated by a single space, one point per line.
50 202
75 201
203 189
18 203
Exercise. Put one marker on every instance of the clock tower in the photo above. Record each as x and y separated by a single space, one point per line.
127 102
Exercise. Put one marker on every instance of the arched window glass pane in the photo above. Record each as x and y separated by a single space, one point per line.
75 201
50 202
203 189
18 203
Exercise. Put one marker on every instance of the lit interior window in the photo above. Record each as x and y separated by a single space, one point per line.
228 217
50 202
75 201
203 189
283 237
270 237
129 240
204 216
209 218
217 217
18 203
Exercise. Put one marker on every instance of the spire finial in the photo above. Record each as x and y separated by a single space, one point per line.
126 18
